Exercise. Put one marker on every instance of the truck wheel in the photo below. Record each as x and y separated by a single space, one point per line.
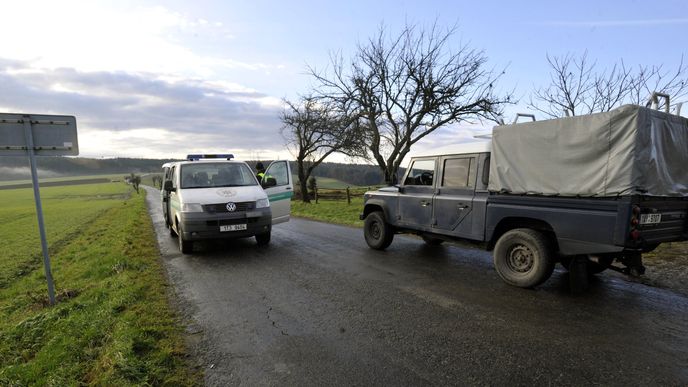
522 257
185 246
432 241
263 239
378 233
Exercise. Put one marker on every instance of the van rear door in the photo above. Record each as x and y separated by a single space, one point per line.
281 193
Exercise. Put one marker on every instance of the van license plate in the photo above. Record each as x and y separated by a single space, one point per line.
650 218
233 227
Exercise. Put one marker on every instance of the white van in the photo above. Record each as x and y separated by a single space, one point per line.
213 196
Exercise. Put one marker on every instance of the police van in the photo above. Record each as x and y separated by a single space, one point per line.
214 196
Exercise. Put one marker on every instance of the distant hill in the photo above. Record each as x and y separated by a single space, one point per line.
17 168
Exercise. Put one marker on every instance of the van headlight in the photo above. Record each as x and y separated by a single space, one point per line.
192 207
262 203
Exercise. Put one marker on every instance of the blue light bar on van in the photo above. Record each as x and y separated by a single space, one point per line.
198 157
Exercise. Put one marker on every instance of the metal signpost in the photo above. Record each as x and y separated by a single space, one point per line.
38 135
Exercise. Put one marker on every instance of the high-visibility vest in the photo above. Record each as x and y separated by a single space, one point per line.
260 175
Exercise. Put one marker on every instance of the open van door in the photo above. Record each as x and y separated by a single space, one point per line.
280 190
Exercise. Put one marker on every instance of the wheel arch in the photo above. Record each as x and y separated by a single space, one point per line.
376 205
511 223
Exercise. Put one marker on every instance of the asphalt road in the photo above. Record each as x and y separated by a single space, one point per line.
318 307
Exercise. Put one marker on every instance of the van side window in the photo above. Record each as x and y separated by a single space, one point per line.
421 172
457 173
278 171
175 183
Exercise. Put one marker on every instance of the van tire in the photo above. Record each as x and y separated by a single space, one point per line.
523 258
263 239
377 232
185 246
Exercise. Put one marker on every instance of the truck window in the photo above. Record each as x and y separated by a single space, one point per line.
486 172
421 172
457 173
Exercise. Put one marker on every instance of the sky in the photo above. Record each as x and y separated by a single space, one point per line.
161 79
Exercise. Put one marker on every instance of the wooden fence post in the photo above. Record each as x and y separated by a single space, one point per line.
315 191
348 195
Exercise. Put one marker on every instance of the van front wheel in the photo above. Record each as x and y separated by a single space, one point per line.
523 258
263 239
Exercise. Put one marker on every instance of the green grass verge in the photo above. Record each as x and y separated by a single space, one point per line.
333 211
113 324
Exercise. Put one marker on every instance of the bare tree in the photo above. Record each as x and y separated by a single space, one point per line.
576 87
314 129
405 87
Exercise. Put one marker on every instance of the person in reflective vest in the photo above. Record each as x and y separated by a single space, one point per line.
260 171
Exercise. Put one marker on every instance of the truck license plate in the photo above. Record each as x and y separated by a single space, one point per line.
650 218
233 227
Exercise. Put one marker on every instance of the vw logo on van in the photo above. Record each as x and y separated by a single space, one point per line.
231 207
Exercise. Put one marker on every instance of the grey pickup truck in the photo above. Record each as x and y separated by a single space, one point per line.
597 190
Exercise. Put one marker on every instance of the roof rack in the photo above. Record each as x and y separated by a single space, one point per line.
218 156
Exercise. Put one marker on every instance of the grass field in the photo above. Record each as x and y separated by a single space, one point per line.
119 177
112 324
333 211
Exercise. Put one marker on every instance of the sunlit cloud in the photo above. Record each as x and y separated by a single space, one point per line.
141 115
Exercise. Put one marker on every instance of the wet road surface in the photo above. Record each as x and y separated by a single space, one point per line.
318 307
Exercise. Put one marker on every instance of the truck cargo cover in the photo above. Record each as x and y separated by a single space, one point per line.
629 150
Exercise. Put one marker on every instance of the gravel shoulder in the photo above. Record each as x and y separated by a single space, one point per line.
667 267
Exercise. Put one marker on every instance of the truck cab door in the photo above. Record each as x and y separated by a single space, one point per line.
416 194
454 200
280 190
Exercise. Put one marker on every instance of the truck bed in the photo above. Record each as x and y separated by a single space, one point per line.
589 225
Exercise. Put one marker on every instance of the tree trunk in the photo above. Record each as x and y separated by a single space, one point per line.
303 179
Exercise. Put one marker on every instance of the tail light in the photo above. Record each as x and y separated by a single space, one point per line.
635 214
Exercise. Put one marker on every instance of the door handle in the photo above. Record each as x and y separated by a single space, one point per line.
424 203
288 188
462 207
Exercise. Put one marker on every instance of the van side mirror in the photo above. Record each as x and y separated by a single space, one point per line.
168 186
268 182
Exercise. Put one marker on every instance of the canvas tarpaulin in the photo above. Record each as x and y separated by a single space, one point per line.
629 150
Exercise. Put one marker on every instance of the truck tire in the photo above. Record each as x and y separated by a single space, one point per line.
377 232
263 239
432 241
185 246
523 258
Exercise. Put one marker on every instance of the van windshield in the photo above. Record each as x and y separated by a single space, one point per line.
208 175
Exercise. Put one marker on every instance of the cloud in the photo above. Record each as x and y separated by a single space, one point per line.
146 115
